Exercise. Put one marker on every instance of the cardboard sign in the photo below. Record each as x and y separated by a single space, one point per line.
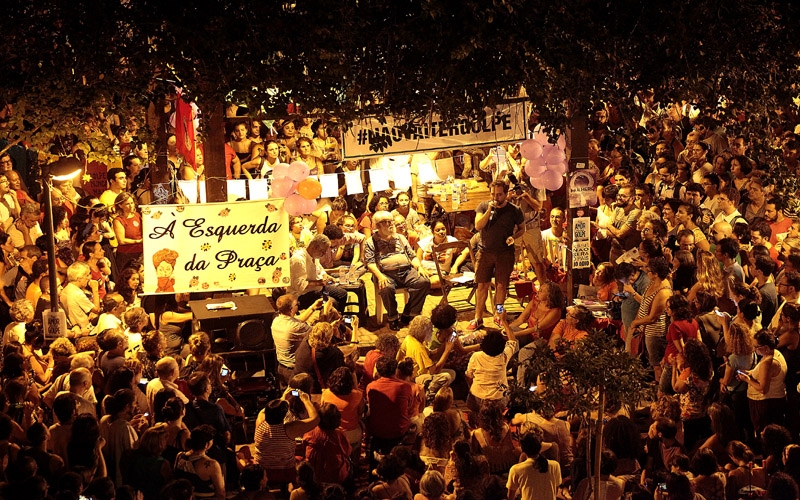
215 246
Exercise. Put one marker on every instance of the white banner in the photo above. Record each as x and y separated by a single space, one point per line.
215 246
365 138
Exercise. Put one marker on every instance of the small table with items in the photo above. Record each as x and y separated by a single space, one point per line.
477 192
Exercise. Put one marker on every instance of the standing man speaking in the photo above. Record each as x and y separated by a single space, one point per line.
497 221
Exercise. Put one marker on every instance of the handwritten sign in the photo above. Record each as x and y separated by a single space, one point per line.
215 246
580 229
581 255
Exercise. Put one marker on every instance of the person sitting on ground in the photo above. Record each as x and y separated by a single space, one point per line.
426 372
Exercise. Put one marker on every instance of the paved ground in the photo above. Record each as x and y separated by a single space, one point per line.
457 297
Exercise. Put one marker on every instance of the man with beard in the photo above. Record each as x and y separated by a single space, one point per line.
788 288
779 223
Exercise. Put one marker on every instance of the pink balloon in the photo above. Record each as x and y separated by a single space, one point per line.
539 161
309 206
280 170
552 180
282 187
537 181
298 171
562 142
530 149
295 205
554 156
534 170
560 168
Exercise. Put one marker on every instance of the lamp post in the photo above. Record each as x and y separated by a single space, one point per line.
55 321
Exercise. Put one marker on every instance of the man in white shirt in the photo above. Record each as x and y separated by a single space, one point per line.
727 202
26 230
309 280
167 370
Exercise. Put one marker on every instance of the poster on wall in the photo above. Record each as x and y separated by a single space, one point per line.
373 137
582 189
215 246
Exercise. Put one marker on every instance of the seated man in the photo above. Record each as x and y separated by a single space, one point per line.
394 264
426 372
308 279
288 331
389 400
80 310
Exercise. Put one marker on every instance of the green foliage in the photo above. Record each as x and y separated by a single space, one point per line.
400 58
574 380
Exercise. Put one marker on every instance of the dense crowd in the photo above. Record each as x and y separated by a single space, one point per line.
695 248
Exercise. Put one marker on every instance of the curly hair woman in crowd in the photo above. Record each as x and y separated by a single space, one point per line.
691 379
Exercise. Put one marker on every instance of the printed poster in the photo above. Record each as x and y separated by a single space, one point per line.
215 246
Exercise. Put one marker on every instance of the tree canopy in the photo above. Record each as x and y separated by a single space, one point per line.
352 58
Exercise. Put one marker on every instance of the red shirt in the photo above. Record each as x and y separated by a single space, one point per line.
389 402
680 329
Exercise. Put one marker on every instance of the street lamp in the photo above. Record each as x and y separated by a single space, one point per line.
55 321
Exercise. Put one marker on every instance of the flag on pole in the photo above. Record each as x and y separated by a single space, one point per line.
184 131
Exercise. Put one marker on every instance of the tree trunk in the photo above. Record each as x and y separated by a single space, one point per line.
214 151
579 158
598 443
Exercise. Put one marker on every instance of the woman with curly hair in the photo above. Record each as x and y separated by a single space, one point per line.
604 281
317 357
487 368
212 365
128 286
343 393
766 388
153 345
682 327
691 377
492 438
709 276
741 350
128 229
437 441
379 202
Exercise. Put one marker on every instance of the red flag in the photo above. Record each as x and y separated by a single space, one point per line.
184 131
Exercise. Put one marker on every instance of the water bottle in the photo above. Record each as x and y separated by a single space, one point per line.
456 197
464 192
342 275
444 189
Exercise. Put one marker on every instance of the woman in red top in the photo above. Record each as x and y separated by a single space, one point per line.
604 280
128 229
541 315
682 327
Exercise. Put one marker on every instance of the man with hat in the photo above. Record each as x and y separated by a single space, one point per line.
394 264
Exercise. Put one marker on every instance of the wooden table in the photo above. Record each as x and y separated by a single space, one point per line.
477 192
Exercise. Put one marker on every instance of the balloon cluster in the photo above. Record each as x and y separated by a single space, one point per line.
547 163
293 183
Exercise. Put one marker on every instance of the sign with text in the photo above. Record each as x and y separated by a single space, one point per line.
215 246
581 255
374 138
582 189
581 229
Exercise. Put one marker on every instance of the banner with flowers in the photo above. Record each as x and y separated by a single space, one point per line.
215 246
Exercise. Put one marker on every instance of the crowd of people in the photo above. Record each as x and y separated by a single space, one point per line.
694 247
